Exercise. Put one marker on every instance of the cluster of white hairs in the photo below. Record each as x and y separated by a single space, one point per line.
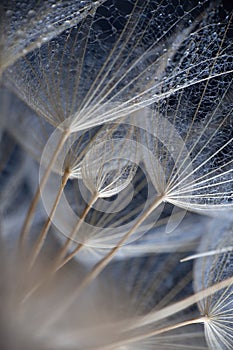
116 175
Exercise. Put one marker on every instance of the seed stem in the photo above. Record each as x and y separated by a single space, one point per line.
58 263
28 220
43 234
145 335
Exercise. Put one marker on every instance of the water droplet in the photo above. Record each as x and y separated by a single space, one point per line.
19 33
49 26
31 13
9 13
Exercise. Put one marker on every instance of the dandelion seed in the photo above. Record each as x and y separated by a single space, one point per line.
210 270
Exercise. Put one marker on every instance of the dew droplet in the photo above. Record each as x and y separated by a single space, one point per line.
9 13
31 13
